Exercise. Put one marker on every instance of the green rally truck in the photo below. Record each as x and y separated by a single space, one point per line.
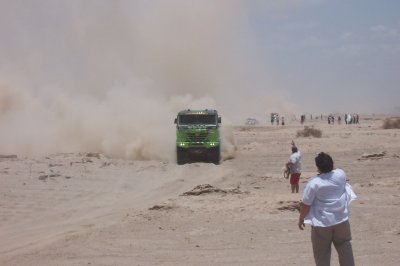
197 136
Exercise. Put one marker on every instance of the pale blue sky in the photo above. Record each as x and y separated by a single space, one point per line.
338 54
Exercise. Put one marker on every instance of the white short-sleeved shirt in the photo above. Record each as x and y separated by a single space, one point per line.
329 196
295 160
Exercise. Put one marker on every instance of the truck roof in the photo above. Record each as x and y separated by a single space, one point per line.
198 112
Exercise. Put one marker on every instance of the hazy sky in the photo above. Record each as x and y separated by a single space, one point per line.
110 75
314 55
333 55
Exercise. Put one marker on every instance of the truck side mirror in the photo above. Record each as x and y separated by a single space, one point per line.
175 121
219 120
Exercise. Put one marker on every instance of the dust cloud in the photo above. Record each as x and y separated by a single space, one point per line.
110 76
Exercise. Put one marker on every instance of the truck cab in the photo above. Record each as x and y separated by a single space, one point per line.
198 136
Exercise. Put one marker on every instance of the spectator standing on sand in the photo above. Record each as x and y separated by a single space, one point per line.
283 121
348 119
324 206
294 166
302 118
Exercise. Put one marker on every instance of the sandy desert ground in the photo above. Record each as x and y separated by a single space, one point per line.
86 209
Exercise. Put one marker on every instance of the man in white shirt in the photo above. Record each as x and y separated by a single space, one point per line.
294 166
324 206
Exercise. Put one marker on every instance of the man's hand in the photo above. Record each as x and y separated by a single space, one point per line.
301 224
304 209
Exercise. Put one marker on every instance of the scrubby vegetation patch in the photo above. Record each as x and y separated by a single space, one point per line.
390 123
309 132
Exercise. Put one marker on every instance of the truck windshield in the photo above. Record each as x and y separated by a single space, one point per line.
197 120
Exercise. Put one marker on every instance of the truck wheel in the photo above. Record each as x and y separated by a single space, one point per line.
215 155
181 156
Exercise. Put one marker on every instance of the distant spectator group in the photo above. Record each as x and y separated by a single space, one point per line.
351 119
348 118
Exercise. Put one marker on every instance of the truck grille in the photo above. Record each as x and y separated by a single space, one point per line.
197 136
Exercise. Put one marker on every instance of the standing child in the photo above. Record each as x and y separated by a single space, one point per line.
294 165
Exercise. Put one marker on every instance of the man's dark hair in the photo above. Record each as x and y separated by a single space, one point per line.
324 162
294 149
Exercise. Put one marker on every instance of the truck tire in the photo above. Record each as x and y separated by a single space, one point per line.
181 156
215 155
